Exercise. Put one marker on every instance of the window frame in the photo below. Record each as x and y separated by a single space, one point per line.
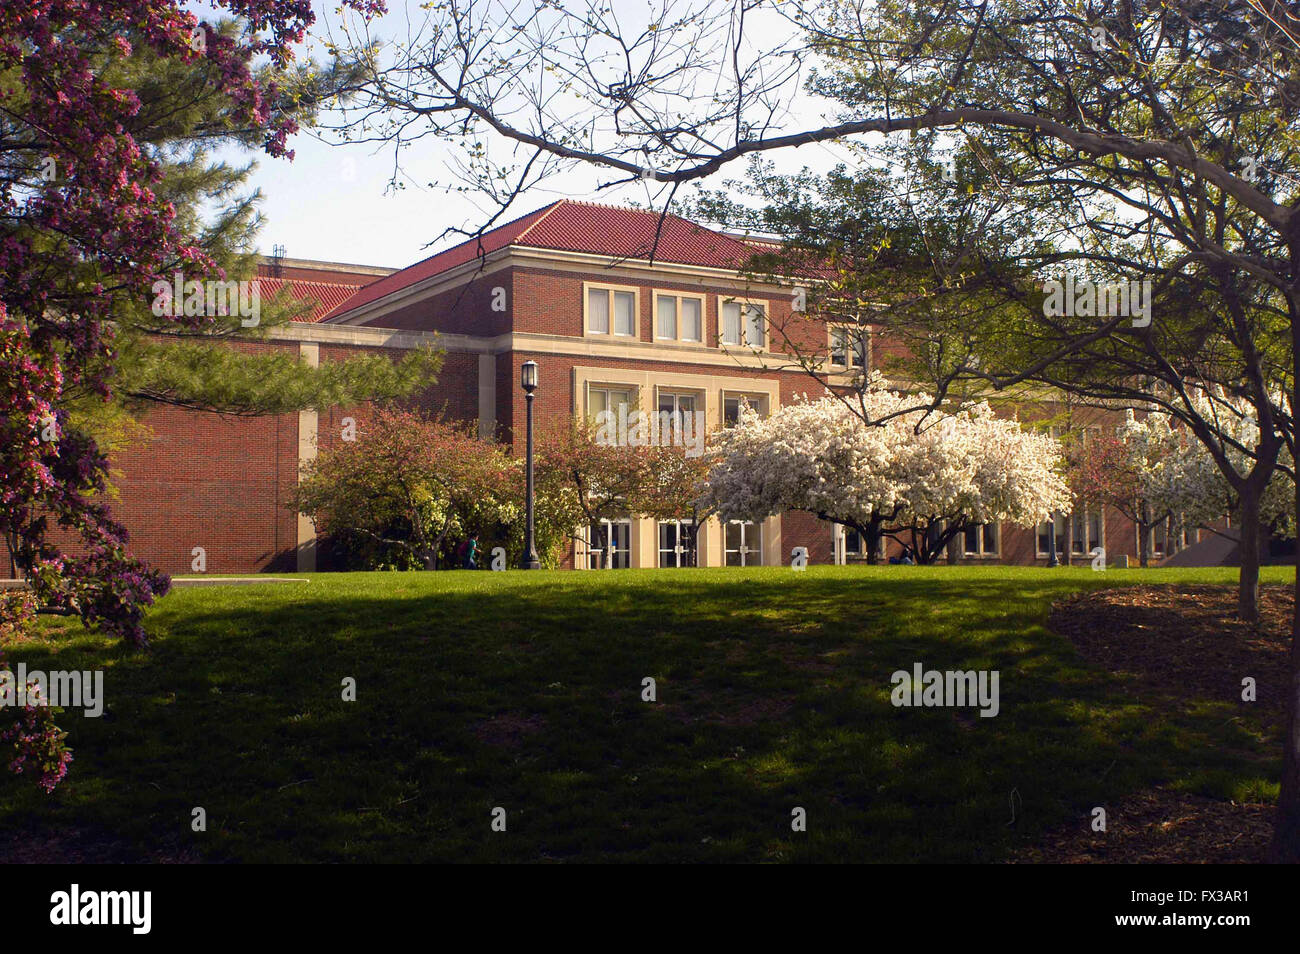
745 549
756 399
610 290
981 553
680 554
1088 515
744 302
1060 550
632 392
860 356
678 297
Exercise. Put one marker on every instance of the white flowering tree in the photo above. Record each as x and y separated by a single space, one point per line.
919 479
1177 475
816 456
972 468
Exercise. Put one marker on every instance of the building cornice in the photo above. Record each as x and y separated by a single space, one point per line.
544 258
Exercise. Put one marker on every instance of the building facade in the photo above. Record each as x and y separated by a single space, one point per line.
616 306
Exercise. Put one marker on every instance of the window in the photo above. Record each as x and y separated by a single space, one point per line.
607 399
848 348
731 406
1044 536
743 323
676 543
1085 530
981 540
744 543
855 545
611 309
1161 537
679 317
675 403
619 535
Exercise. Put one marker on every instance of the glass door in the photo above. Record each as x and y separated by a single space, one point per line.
744 543
676 543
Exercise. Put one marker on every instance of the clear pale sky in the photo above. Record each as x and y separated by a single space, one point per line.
332 202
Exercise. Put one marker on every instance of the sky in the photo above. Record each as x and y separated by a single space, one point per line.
333 202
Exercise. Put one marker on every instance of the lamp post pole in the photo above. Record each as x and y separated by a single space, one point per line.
528 380
1052 559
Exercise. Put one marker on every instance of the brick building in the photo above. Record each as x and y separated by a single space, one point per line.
615 306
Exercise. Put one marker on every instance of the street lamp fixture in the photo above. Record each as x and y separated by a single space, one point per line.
528 381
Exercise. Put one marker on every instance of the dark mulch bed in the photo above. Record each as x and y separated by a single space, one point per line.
76 846
1180 643
1162 826
1185 642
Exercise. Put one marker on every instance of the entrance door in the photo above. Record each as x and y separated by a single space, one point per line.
744 543
619 535
676 543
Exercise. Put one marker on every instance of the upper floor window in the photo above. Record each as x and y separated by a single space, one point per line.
611 310
848 348
743 323
679 317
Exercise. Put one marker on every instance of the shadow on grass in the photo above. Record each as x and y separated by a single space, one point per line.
475 691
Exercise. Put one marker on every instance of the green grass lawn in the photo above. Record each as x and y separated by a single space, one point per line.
477 690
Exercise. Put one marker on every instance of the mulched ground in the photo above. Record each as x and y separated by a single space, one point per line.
1185 642
83 847
1161 826
1180 643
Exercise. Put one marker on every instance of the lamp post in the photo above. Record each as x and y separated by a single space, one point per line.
528 381
1052 559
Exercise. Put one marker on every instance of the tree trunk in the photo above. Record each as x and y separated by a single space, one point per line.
1248 582
1144 531
1286 828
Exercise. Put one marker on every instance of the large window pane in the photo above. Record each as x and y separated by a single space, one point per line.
1079 532
839 348
598 311
730 332
1045 536
990 541
755 330
666 326
624 317
692 323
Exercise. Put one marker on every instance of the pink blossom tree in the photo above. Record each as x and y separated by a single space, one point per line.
84 232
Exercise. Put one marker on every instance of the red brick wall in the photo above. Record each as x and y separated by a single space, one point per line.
551 303
466 309
211 482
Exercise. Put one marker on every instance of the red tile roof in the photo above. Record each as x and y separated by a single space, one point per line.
572 226
324 296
